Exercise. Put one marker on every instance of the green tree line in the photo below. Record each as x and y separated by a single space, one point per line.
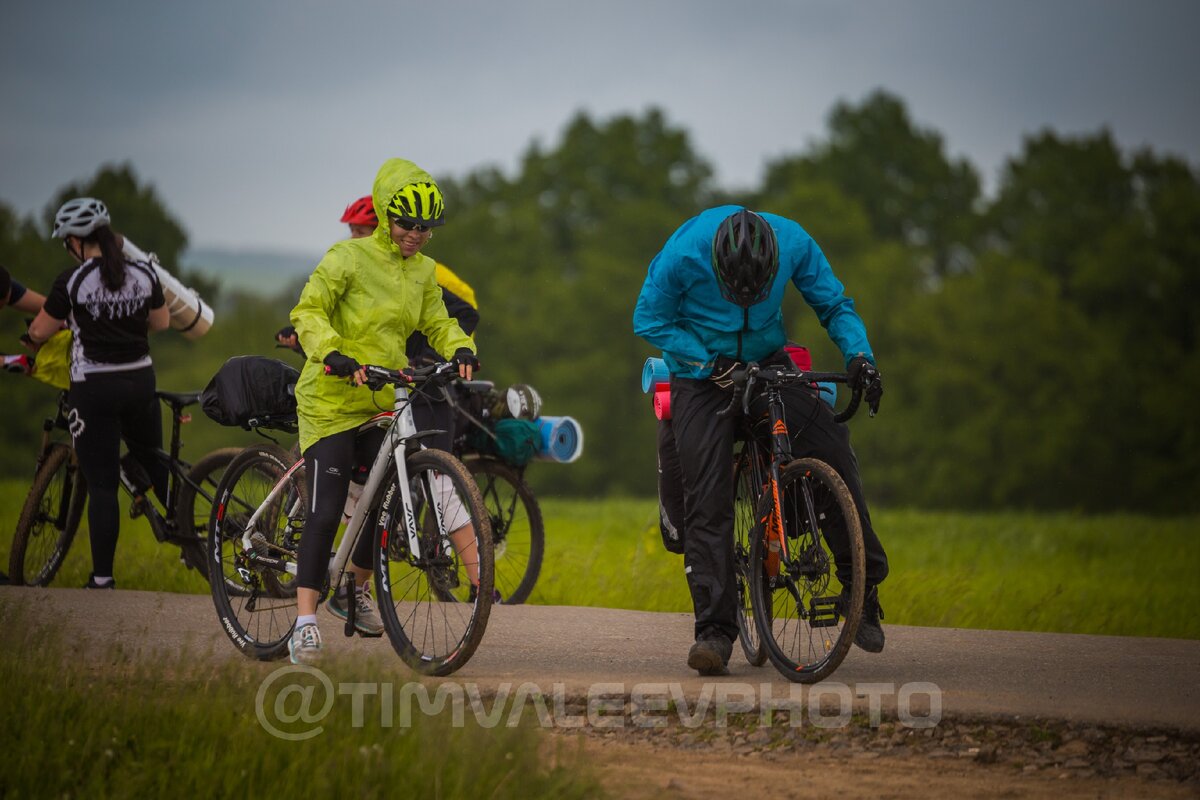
1038 345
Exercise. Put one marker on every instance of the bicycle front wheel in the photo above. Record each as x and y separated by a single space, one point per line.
253 539
194 506
434 593
808 592
744 501
518 534
49 519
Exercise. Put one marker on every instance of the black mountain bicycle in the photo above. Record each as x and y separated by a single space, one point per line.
791 516
54 507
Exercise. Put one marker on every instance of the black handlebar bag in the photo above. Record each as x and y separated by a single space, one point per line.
252 392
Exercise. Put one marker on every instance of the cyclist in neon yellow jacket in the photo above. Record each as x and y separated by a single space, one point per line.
359 307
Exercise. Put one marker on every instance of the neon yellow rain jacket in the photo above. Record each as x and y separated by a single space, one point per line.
363 300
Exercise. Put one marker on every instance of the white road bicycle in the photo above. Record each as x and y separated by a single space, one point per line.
432 541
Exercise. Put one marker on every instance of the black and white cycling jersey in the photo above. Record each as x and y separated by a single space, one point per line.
110 326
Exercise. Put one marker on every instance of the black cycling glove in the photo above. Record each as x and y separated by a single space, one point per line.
340 365
464 356
724 372
285 335
863 375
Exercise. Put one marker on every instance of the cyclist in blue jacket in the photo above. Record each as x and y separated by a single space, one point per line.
712 300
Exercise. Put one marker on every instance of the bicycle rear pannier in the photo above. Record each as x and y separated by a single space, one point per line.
252 392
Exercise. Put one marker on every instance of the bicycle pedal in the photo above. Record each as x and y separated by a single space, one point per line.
823 612
137 508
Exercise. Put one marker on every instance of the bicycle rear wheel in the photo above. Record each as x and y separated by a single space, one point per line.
194 506
518 535
49 519
434 599
745 498
262 499
806 616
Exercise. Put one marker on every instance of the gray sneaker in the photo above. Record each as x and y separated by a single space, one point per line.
366 616
305 645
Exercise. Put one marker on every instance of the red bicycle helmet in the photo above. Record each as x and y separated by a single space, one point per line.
361 212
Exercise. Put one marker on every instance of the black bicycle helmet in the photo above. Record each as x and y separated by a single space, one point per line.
745 258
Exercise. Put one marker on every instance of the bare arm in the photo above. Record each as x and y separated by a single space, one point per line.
160 318
43 327
30 302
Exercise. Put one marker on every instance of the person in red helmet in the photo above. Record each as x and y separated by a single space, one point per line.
360 216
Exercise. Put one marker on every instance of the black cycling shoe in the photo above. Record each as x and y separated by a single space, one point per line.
870 632
91 584
710 654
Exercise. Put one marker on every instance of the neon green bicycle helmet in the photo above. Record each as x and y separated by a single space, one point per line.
419 203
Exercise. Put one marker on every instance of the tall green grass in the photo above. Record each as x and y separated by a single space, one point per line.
1117 574
1114 574
140 563
177 729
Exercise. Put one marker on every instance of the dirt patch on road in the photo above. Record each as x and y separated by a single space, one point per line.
974 757
641 771
655 767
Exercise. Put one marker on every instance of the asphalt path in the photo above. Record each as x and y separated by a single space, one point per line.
1128 681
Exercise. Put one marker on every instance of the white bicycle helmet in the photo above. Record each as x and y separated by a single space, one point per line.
79 217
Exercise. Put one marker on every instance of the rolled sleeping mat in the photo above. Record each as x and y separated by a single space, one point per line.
654 372
828 393
662 402
561 439
190 315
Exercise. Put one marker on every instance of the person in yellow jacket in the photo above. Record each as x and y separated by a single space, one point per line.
457 294
360 305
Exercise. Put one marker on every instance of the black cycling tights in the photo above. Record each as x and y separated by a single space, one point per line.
103 410
329 466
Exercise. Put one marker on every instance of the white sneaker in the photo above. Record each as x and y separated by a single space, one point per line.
366 616
305 645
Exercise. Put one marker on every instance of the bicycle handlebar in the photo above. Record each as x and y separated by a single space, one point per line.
772 376
378 377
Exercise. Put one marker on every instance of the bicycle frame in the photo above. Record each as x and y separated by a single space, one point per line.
400 430
779 454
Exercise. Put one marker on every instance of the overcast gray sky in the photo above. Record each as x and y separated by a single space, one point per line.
258 121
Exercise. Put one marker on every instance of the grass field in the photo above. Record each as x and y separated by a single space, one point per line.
106 726
1116 574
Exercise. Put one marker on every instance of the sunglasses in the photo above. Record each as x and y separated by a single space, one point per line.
405 225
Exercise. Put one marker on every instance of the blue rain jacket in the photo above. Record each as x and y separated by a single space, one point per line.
680 309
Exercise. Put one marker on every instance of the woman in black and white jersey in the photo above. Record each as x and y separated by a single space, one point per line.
110 305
